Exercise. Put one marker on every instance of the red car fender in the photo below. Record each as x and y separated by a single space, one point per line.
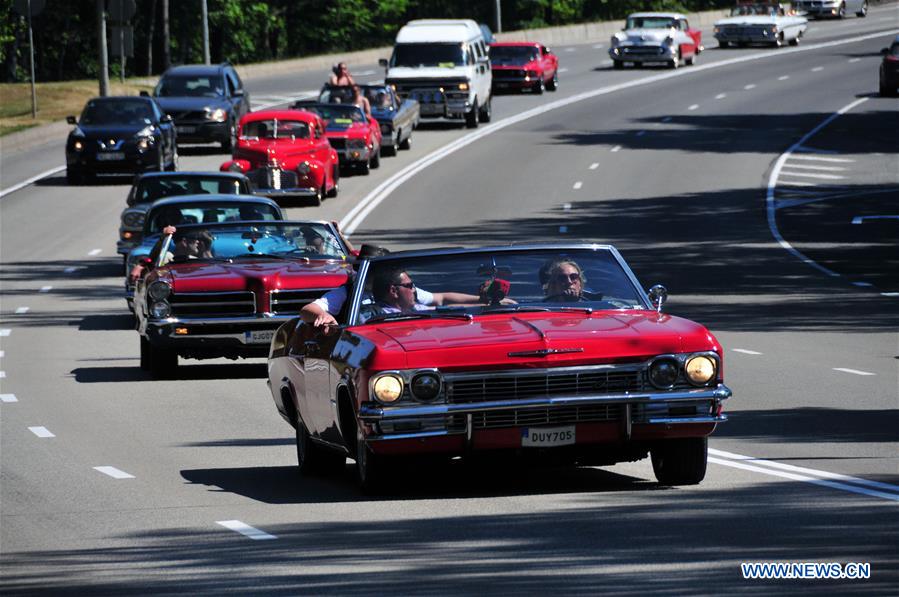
242 166
317 175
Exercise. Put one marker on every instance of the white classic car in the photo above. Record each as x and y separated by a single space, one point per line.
760 23
656 37
831 8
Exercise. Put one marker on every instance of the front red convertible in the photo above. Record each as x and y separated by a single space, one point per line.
458 352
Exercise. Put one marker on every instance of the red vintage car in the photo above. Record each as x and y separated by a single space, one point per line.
547 349
221 290
355 136
286 155
523 65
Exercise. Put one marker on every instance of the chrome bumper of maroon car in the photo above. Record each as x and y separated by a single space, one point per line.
371 413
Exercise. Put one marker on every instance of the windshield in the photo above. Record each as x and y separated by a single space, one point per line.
119 111
206 213
415 55
378 97
190 86
338 117
753 9
153 188
649 23
476 283
275 129
502 55
255 240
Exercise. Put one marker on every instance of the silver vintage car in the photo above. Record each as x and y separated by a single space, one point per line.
664 37
760 23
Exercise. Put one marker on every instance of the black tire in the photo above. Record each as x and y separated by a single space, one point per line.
173 167
336 189
315 460
617 64
680 461
673 64
228 145
370 469
723 44
163 363
779 40
74 177
407 142
795 40
638 65
471 119
364 167
540 87
842 13
376 159
144 354
554 83
393 147
691 60
319 196
486 112
864 11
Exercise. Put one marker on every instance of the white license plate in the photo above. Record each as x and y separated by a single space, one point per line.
186 129
259 336
111 156
546 437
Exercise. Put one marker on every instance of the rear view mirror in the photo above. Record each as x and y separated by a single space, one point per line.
71 120
658 294
382 62
166 118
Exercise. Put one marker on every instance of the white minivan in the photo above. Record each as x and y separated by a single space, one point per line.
445 65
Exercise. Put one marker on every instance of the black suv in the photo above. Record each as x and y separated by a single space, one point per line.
206 102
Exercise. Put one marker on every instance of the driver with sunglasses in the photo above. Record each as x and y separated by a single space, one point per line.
563 281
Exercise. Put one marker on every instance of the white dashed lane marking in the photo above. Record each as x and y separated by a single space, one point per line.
750 86
594 165
745 351
570 49
616 148
2 374
8 398
597 46
721 96
563 70
693 107
817 69
2 353
45 289
783 78
5 332
95 252
853 371
245 529
578 185
113 472
41 431
854 59
22 310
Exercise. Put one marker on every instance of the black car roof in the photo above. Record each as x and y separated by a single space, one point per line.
214 198
182 173
195 69
118 98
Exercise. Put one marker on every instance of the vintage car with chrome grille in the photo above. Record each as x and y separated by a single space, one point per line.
221 290
766 23
356 137
192 209
836 9
547 349
649 37
396 117
152 186
523 66
286 156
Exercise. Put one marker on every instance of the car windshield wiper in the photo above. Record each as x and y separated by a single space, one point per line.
419 315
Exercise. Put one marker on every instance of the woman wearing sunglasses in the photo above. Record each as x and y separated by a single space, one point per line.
564 281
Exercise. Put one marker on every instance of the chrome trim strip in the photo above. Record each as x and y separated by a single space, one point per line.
675 421
262 318
528 371
378 438
368 412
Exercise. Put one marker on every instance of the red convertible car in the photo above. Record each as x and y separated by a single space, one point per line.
286 154
523 65
356 138
221 290
550 349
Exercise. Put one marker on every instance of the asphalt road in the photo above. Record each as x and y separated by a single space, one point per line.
706 180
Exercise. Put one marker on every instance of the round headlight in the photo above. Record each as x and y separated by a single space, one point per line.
144 142
217 115
388 388
78 146
663 372
425 386
159 291
133 220
701 370
160 310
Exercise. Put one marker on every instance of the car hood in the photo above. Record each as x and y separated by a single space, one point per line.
190 104
637 36
748 20
570 338
428 72
112 131
248 274
258 152
532 65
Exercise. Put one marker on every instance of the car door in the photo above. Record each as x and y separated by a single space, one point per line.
550 63
695 34
318 400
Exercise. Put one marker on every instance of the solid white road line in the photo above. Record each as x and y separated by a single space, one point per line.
853 371
616 148
745 351
693 107
810 175
31 180
721 96
817 69
41 431
113 472
578 185
797 473
8 398
821 168
245 529
783 78
22 310
351 221
821 158
861 219
45 289
594 165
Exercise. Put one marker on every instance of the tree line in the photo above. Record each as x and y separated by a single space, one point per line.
245 31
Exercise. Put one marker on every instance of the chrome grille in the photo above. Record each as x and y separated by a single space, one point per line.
524 417
285 302
509 75
188 116
213 304
273 178
642 50
545 383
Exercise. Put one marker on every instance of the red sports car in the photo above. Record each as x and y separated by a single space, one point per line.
221 290
286 154
523 65
356 138
548 349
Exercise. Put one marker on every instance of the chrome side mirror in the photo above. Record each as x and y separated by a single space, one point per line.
658 294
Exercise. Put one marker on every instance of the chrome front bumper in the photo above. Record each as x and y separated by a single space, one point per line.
643 53
372 413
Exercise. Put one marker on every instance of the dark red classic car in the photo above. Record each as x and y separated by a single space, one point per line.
355 136
552 350
221 290
286 155
523 66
